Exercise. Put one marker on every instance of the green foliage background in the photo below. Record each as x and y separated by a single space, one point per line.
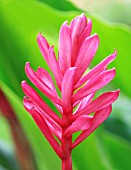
108 148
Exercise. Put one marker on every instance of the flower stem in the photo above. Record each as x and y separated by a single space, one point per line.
67 161
66 147
67 164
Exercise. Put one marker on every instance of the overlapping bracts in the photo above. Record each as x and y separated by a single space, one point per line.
77 48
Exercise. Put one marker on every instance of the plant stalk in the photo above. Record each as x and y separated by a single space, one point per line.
66 146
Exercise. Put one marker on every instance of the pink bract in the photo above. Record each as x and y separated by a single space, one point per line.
77 48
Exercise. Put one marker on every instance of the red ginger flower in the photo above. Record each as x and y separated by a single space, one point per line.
76 51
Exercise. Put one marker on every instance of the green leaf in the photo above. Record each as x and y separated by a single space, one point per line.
89 155
21 46
119 37
7 157
63 5
44 154
18 32
118 149
7 73
5 132
119 121
18 37
114 10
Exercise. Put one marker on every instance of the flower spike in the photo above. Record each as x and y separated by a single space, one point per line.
77 48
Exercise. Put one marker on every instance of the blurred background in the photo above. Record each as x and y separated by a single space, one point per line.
22 146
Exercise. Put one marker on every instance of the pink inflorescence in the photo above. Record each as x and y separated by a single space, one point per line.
77 48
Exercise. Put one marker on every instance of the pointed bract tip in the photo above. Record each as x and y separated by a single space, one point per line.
115 52
27 65
64 28
41 38
28 104
82 16
94 37
39 35
27 68
23 83
89 20
51 48
89 23
25 98
24 86
113 70
117 92
65 23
